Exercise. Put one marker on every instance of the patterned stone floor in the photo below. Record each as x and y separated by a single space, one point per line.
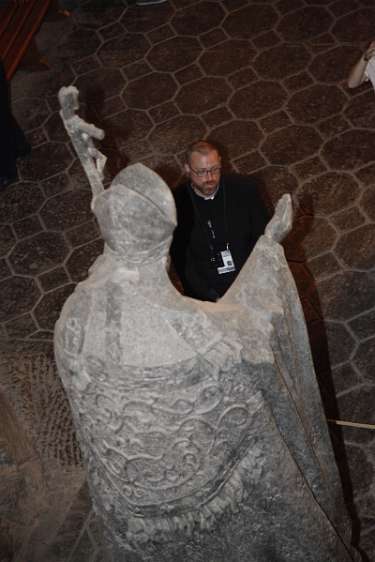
266 80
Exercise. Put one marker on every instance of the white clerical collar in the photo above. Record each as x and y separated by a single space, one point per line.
205 197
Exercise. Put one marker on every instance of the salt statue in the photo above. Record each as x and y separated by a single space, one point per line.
201 424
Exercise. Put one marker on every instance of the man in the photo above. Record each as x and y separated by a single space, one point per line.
13 143
219 219
364 69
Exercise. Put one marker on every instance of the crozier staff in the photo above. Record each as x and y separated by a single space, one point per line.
364 69
219 219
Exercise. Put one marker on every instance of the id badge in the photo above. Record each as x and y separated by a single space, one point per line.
228 263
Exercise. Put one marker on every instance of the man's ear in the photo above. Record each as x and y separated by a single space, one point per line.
187 169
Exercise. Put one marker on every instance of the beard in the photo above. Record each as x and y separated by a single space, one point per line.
206 188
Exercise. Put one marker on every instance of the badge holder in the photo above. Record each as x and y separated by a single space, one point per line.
228 263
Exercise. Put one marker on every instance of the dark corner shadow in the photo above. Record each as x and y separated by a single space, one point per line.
339 450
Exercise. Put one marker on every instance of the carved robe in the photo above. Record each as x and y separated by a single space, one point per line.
201 423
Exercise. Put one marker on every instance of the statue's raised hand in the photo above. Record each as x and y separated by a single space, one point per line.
281 222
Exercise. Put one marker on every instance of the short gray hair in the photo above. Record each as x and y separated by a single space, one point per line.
202 146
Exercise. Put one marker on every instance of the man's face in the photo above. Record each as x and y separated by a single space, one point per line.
204 172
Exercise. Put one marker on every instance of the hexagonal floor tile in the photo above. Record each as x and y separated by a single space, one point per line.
237 137
315 103
351 149
198 18
203 95
150 90
357 248
291 144
305 23
31 112
175 135
45 161
258 99
282 61
147 18
123 50
346 294
67 210
18 296
174 53
227 57
38 253
250 21
328 193
48 309
21 200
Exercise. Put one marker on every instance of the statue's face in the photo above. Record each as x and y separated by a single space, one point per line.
204 171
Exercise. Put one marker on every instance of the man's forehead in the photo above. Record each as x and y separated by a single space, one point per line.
209 154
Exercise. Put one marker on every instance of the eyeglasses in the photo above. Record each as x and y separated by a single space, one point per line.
201 173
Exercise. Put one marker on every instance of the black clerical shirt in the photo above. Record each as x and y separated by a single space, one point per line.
233 220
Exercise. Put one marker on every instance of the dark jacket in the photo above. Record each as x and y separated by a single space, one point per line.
238 217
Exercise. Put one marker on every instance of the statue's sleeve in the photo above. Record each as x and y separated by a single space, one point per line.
266 292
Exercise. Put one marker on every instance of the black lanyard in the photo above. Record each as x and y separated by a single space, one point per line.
207 226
